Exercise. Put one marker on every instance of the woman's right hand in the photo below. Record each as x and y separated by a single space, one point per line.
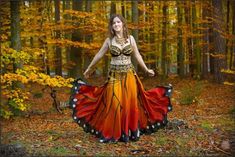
150 72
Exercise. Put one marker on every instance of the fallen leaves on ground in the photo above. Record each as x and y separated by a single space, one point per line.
202 128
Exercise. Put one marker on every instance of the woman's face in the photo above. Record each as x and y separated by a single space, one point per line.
117 24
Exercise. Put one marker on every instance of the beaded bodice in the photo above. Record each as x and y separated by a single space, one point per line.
116 51
121 58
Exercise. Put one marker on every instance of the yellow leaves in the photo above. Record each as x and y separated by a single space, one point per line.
219 55
63 27
17 94
32 74
11 77
31 33
66 43
27 74
150 61
229 83
3 37
79 14
21 105
6 114
57 81
35 52
50 138
16 99
9 55
30 68
228 71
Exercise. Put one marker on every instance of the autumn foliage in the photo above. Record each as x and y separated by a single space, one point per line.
58 40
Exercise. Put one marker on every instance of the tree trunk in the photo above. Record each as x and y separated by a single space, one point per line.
66 5
42 40
88 38
76 53
227 32
123 9
67 36
135 19
113 8
106 58
196 48
219 43
152 39
180 49
15 30
58 55
15 37
46 59
205 47
188 21
164 53
211 42
232 57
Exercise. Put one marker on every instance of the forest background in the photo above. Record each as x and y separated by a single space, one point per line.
47 44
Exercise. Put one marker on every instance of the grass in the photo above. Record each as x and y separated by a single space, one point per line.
52 132
207 126
162 140
103 154
190 93
232 111
38 95
182 142
18 142
60 151
227 123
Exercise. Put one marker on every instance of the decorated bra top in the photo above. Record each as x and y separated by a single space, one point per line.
116 51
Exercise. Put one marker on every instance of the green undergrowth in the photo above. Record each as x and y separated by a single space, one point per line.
190 93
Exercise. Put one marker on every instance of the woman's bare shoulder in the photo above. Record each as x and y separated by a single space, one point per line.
107 40
132 38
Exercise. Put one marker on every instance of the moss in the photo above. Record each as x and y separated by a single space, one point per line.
190 93
207 126
59 150
161 140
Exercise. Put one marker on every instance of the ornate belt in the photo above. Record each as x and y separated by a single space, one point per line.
121 60
120 68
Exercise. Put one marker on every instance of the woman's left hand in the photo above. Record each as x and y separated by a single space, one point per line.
87 73
150 72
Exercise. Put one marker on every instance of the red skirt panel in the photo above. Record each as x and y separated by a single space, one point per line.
121 109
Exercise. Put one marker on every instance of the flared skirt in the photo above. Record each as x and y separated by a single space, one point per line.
121 109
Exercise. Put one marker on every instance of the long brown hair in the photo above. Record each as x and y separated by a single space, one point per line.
110 27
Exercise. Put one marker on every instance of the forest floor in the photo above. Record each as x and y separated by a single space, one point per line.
201 124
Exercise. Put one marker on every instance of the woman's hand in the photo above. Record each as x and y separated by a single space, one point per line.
150 72
87 73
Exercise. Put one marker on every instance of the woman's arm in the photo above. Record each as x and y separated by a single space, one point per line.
139 57
97 57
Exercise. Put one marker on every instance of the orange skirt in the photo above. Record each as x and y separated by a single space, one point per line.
121 109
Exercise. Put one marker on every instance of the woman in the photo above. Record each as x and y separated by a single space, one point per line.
120 109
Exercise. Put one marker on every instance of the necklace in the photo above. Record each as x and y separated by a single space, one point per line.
120 41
